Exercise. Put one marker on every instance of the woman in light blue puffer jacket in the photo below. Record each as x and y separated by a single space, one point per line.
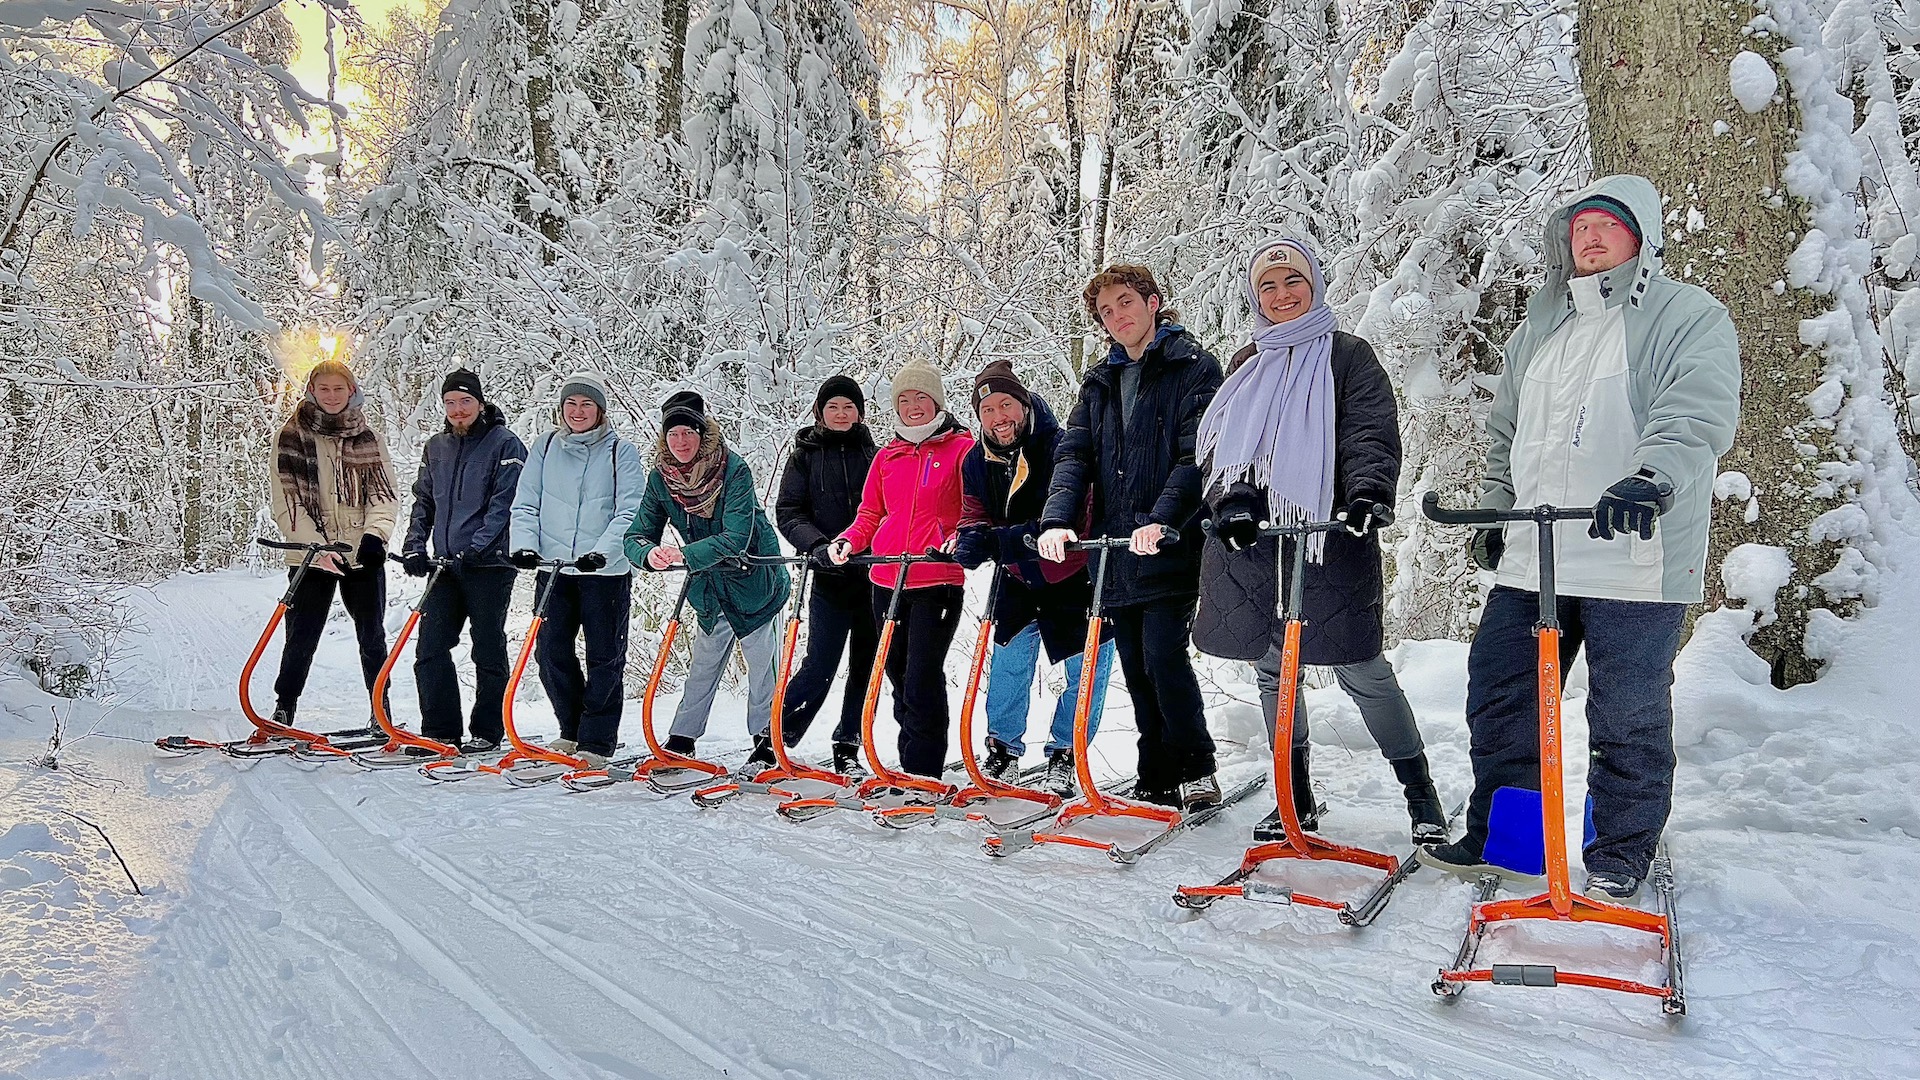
577 495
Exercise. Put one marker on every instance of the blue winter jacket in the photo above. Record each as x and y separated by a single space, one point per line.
578 494
464 493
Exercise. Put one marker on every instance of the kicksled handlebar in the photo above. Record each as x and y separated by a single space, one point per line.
1430 506
930 555
1168 535
281 545
1304 528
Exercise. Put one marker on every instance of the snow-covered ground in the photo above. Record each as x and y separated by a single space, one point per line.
321 921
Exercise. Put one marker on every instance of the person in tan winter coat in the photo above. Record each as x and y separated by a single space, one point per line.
335 485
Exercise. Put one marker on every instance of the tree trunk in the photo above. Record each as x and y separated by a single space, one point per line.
193 494
535 18
1655 76
1117 119
673 31
1072 103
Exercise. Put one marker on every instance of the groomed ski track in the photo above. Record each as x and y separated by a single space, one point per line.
323 921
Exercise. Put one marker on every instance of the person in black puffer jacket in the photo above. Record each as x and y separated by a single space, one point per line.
819 496
1305 429
1129 443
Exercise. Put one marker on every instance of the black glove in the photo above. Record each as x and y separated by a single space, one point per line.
1364 516
819 555
1630 506
418 565
525 559
373 551
590 562
1486 547
1236 526
971 551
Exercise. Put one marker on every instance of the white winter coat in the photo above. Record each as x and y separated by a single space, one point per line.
1608 375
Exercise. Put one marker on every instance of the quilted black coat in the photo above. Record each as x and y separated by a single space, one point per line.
1238 615
1141 472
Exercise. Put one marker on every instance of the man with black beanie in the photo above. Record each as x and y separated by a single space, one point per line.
819 495
463 503
1005 478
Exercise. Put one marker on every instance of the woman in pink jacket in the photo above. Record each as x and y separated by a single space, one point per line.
911 503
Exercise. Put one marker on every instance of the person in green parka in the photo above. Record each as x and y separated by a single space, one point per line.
705 491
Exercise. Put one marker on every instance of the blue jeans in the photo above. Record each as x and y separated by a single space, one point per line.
1630 646
1010 685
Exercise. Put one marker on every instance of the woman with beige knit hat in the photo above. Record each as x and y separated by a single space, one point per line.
911 503
336 485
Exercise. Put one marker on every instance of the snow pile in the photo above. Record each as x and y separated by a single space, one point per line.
1832 758
1754 574
1752 80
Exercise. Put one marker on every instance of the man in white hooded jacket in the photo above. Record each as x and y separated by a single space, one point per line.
1621 391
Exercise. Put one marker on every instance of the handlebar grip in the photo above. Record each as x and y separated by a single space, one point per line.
337 547
1430 506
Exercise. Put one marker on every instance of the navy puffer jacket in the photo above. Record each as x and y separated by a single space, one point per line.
463 496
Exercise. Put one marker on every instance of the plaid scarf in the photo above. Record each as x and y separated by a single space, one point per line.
695 486
362 477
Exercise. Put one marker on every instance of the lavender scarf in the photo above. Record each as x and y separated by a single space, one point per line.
1271 424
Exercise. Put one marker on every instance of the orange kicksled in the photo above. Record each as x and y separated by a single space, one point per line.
1297 845
786 771
1559 903
980 787
269 735
884 782
1095 804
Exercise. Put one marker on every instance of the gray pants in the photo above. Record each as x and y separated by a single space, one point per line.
1372 686
710 654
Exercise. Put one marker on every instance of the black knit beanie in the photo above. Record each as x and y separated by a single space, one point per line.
466 382
684 408
839 386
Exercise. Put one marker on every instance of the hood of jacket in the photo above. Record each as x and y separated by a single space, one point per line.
1553 301
587 439
1170 342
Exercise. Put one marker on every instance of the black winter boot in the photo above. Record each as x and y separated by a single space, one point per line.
1305 806
762 757
847 761
1423 800
1001 762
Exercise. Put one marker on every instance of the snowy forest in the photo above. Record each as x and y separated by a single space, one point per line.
748 196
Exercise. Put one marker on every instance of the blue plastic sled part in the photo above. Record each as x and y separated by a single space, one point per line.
1516 839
